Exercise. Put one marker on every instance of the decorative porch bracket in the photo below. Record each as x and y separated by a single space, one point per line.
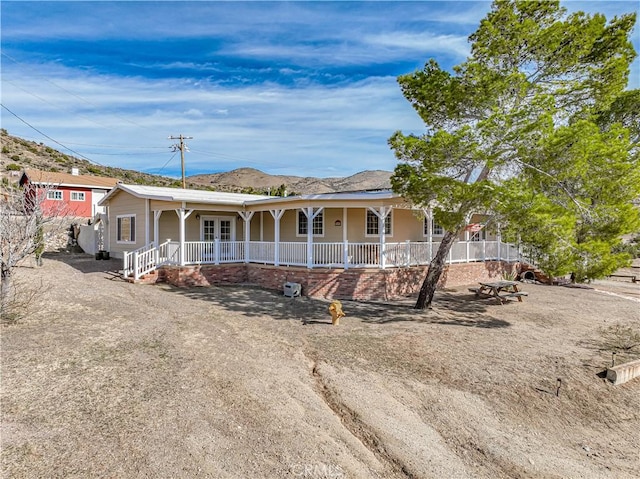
311 215
246 216
277 214
382 214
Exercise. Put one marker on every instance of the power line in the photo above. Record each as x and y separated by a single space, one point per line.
168 161
48 137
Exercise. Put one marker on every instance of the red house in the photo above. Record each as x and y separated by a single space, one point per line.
69 194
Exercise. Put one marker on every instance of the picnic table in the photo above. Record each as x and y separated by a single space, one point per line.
501 290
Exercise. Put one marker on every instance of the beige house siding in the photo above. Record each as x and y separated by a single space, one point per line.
120 205
169 227
407 224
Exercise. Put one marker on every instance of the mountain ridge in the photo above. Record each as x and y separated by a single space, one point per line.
18 154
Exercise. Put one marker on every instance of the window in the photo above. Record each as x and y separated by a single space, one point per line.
77 196
372 224
54 195
437 229
318 224
478 236
126 229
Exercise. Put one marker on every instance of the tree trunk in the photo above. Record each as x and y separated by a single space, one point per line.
5 293
428 289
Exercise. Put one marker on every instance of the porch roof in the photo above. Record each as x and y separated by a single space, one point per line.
256 202
346 196
179 194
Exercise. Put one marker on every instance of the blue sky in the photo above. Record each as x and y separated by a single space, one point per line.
299 88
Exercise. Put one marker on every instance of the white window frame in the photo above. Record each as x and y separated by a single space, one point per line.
435 226
319 218
79 196
55 195
388 218
132 229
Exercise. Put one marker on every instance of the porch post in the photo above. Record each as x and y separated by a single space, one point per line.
156 227
311 215
345 239
246 216
136 271
147 226
181 236
382 216
277 214
428 214
499 238
383 259
344 225
183 214
408 253
345 254
467 236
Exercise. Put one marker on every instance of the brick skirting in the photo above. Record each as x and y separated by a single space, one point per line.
363 284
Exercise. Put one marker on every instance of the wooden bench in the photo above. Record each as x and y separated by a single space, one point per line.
514 295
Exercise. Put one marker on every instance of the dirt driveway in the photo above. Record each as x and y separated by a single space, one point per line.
110 379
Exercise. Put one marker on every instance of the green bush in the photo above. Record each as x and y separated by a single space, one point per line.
13 167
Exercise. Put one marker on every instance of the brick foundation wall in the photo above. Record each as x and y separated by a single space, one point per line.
203 275
363 284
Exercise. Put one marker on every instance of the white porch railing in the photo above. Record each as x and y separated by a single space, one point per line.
332 255
146 259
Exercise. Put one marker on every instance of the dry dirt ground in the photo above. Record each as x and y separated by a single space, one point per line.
111 379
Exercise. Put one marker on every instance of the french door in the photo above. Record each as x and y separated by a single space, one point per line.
218 228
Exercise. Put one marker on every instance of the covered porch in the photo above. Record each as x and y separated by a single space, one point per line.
343 255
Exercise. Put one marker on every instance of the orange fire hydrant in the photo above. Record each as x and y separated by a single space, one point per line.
335 309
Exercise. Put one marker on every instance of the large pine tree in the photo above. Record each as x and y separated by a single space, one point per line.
521 129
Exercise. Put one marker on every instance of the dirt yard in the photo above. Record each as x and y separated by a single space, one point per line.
111 379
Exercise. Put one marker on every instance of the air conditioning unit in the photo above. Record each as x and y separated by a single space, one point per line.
292 290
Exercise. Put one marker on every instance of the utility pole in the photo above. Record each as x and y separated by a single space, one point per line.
182 147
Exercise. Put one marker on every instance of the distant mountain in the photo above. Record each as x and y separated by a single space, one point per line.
247 178
18 154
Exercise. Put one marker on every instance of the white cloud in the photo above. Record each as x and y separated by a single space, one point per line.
426 42
309 130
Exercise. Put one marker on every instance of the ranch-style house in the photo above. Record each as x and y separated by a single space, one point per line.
360 245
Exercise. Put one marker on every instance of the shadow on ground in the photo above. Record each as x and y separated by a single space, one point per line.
253 301
86 263
449 308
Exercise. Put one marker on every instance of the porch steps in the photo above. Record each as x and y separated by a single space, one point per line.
149 278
